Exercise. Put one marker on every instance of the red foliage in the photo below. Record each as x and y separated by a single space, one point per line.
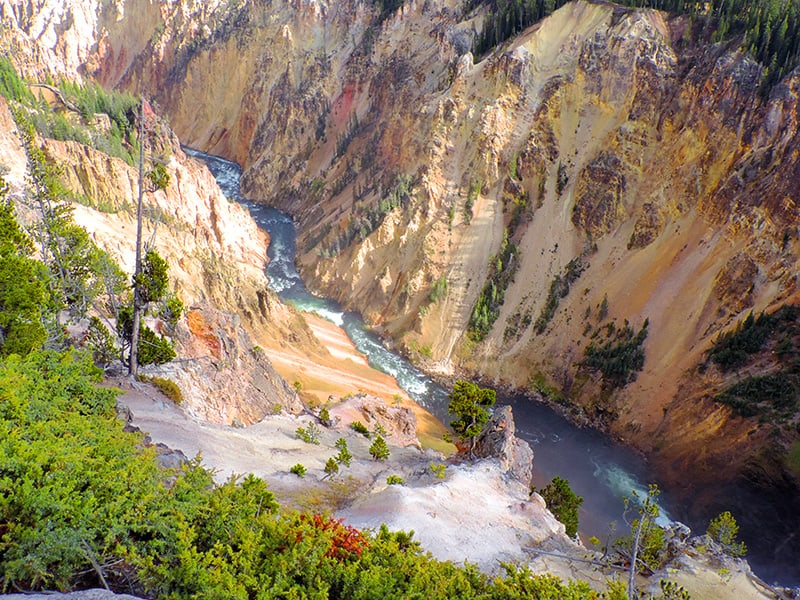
347 541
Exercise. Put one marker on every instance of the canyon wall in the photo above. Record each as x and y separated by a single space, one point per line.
612 149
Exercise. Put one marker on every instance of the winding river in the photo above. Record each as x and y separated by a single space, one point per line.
601 471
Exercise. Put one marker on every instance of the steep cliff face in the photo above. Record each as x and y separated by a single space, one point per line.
603 166
216 255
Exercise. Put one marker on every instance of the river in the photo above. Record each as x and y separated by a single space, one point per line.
597 468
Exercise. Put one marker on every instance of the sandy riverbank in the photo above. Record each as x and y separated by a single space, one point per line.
343 371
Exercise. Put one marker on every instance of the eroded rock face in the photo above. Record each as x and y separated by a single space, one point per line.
216 254
599 195
498 440
399 422
735 282
223 376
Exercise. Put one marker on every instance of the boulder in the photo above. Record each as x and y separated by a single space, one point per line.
499 440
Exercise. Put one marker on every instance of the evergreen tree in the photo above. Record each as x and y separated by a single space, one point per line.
563 503
23 286
379 450
470 403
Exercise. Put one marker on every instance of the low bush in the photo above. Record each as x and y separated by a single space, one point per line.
298 470
359 427
310 434
379 450
167 387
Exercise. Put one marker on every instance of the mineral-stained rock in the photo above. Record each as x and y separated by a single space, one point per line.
399 422
224 378
648 226
734 283
599 204
498 440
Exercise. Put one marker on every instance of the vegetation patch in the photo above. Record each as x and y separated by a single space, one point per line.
298 469
472 195
438 290
366 219
773 398
310 434
731 350
563 503
79 120
723 529
620 357
559 288
470 404
539 384
769 30
359 427
502 269
167 387
379 450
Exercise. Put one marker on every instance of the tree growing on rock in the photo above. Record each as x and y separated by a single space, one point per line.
379 450
563 503
723 530
331 467
345 456
645 545
470 403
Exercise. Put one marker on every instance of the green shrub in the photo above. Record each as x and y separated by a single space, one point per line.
76 488
503 267
563 503
73 483
331 467
602 310
154 349
438 469
101 342
167 387
310 434
325 416
652 544
379 450
472 195
344 457
559 288
171 311
359 427
774 396
723 529
158 177
732 349
153 280
395 480
438 290
298 470
366 219
620 357
539 383
11 85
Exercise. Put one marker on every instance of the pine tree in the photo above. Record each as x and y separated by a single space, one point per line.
379 450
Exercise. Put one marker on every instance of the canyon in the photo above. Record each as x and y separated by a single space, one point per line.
606 147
